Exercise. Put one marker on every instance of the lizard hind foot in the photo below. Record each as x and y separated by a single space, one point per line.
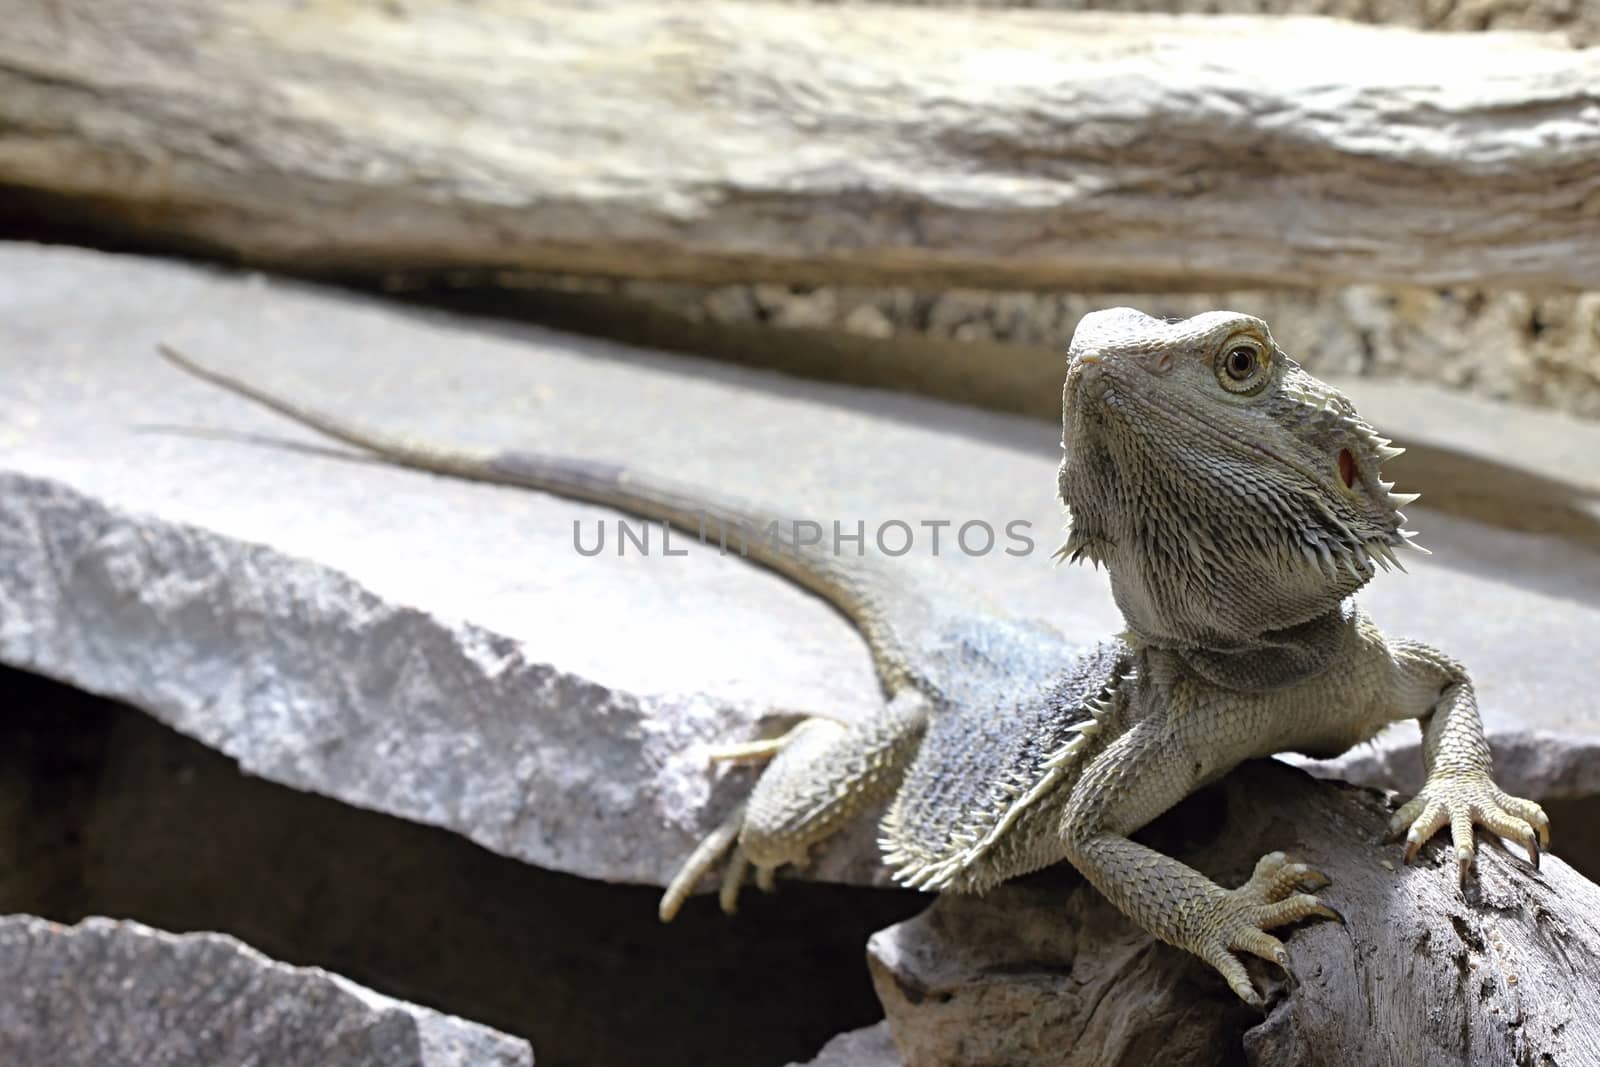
1237 920
718 843
733 878
723 841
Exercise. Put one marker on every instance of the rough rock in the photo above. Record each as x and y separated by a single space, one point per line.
1538 348
1421 972
871 1046
438 651
1010 149
104 992
105 811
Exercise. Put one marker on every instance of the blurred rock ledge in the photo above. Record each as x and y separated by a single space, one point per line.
728 142
1578 20
1004 349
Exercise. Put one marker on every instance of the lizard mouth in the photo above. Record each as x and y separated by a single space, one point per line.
1347 468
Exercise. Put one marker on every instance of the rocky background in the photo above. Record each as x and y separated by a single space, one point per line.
1537 348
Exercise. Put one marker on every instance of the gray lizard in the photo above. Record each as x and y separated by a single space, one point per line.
1237 503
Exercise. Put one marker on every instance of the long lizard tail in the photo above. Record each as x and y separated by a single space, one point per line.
856 588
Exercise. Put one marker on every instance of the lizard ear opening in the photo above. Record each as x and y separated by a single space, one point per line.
1347 468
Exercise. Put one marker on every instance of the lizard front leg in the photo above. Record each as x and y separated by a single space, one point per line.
1129 783
1458 790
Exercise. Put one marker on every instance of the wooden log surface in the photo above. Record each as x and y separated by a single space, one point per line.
1503 971
727 141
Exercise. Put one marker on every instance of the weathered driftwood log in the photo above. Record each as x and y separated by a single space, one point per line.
1045 971
731 141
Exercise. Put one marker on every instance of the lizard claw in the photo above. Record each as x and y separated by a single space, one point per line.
1463 801
1240 918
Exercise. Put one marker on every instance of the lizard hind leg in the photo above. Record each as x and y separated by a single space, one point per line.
827 774
821 775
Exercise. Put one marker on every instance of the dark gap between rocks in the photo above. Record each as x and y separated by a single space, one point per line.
106 812
1575 833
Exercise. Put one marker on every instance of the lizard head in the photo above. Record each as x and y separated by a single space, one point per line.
1229 493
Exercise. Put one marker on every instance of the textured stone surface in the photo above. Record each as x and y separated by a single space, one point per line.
1533 348
439 651
809 143
433 649
106 992
871 1046
1046 971
104 811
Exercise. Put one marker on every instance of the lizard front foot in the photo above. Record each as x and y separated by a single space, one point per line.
1462 800
1236 920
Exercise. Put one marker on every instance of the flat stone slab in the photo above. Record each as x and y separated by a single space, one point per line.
440 651
109 992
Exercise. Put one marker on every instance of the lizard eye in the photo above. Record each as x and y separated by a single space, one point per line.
1240 365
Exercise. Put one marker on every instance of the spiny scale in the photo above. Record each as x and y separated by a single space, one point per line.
933 850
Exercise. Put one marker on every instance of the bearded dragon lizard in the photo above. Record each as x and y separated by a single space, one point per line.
1237 503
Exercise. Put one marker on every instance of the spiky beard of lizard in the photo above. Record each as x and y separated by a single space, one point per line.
1229 493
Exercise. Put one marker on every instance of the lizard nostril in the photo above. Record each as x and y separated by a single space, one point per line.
1157 362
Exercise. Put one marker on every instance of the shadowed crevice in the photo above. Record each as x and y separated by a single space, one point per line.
106 812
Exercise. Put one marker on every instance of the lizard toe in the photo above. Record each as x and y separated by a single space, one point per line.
1527 812
1232 970
1261 944
1277 876
718 843
1293 909
1432 818
732 881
